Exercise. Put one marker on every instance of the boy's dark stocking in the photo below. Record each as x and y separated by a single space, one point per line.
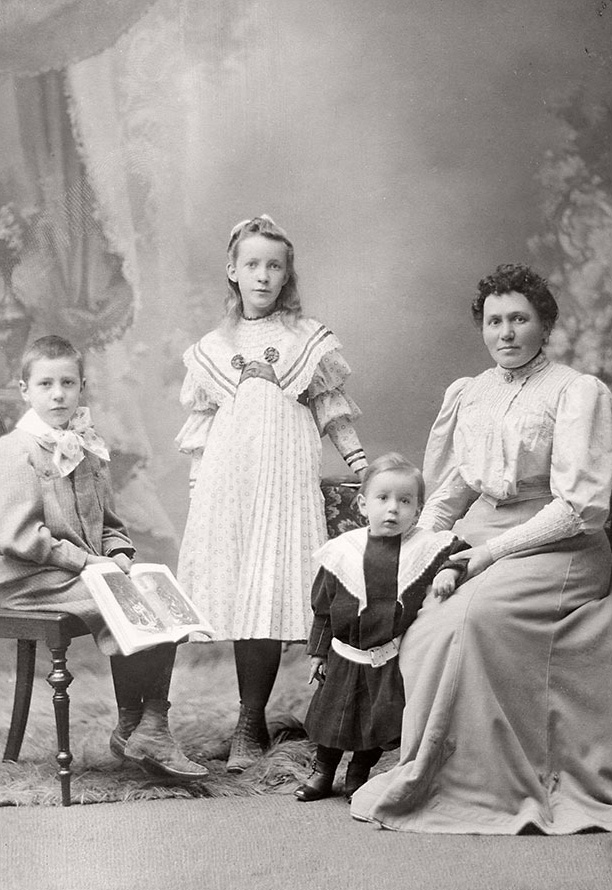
319 783
358 770
257 664
142 735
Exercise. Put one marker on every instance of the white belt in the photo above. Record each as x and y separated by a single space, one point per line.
375 657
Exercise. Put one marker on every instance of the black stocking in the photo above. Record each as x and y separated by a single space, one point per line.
329 756
257 664
143 676
366 759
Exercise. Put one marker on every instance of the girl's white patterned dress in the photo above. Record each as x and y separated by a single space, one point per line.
256 514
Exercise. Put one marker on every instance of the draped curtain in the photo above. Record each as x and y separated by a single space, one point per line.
67 239
48 35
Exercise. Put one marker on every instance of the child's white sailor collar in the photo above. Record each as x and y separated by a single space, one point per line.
343 558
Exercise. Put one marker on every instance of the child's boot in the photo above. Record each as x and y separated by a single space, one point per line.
319 784
250 739
357 774
358 770
153 748
129 718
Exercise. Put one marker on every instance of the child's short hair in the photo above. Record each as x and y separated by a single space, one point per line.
50 346
394 461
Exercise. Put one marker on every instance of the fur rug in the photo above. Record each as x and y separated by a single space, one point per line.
204 712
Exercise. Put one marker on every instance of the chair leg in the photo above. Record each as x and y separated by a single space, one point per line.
60 679
24 678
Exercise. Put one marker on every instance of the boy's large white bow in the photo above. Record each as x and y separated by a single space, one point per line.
70 444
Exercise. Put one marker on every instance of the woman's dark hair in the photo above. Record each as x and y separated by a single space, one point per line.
521 279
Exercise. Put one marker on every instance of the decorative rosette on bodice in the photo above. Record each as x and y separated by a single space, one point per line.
217 360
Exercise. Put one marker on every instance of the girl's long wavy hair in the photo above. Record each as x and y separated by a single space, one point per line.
288 302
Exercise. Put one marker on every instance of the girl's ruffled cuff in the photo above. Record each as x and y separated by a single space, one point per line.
193 396
330 406
194 432
342 433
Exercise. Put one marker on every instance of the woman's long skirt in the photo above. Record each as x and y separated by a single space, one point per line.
508 717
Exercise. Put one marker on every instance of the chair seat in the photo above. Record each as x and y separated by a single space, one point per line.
55 628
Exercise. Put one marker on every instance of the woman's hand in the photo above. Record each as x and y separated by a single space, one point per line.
318 669
478 559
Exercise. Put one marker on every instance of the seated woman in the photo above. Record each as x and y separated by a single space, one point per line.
508 718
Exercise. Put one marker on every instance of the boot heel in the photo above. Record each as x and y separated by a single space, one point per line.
152 747
249 741
129 718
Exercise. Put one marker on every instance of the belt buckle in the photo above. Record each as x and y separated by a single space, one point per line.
377 656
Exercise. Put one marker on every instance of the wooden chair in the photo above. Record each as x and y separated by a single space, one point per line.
57 629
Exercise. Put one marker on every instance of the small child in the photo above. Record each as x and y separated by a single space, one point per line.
370 586
56 518
262 389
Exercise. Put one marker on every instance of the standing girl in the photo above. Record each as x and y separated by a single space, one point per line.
262 389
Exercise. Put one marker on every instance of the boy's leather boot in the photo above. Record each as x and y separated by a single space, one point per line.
319 784
129 718
250 739
153 748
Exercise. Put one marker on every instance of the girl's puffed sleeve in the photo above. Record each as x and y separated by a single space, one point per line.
193 435
448 496
580 471
334 410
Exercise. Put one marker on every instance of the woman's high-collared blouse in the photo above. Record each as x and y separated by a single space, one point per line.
507 436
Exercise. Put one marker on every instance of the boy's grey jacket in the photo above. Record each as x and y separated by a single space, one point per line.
48 522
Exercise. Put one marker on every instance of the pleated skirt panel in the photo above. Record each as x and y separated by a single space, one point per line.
256 518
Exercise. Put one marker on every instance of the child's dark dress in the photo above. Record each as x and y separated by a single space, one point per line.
367 592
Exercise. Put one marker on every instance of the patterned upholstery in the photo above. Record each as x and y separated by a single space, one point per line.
341 511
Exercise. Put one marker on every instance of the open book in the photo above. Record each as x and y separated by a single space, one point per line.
145 608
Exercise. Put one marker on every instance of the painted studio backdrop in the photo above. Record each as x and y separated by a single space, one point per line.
407 148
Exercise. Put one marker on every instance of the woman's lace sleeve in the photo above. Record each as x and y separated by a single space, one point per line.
580 473
334 410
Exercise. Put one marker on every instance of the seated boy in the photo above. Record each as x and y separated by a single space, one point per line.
56 517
